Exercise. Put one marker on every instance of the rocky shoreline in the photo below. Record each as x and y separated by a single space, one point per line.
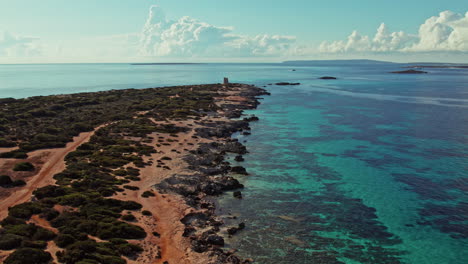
139 180
212 174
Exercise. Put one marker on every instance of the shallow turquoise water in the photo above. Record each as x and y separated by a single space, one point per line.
362 180
370 168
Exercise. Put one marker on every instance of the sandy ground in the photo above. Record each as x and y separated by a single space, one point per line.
48 162
167 210
3 150
54 163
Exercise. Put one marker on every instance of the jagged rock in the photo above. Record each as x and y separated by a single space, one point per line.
239 158
232 230
251 119
237 194
199 246
231 252
239 170
188 231
215 240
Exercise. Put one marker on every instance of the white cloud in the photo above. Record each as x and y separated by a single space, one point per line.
12 45
188 37
446 32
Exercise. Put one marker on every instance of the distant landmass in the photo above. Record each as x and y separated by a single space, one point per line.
438 65
163 63
335 62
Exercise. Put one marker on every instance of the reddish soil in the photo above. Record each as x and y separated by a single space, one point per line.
48 162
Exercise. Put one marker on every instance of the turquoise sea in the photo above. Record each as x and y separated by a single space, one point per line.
369 168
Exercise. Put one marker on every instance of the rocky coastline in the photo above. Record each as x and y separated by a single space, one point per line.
139 180
212 175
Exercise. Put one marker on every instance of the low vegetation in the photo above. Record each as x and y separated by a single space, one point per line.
96 171
23 166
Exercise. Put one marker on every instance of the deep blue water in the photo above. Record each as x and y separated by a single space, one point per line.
369 168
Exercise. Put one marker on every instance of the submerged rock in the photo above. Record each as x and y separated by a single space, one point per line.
251 119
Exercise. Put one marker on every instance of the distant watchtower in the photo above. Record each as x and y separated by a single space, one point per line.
226 82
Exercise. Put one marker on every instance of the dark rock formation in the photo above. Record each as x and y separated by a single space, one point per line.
287 83
327 78
251 119
237 194
210 174
239 170
239 158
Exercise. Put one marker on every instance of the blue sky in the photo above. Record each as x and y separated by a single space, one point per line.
60 29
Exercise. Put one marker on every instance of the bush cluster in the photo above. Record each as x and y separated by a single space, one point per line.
94 172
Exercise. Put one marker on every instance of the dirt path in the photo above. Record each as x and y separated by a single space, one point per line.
44 177
167 210
3 150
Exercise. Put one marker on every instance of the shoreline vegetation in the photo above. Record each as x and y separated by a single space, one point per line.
121 176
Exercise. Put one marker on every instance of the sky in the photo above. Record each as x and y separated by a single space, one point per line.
47 31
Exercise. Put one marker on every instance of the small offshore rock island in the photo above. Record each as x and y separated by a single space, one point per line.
121 176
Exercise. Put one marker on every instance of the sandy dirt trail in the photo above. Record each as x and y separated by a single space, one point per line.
55 163
167 209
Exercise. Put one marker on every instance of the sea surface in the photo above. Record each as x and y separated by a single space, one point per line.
369 168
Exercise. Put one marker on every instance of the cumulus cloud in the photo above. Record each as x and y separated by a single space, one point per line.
446 32
12 45
188 37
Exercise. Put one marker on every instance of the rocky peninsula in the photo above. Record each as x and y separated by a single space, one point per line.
121 176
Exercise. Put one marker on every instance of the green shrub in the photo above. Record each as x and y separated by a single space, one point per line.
10 220
18 183
129 250
133 188
50 191
15 154
10 241
25 230
5 143
131 205
133 172
63 240
23 166
29 255
121 230
147 213
34 244
147 194
120 172
49 214
128 217
25 210
43 234
5 181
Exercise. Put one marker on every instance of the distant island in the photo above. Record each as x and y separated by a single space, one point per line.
444 66
334 62
409 72
121 176
164 63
